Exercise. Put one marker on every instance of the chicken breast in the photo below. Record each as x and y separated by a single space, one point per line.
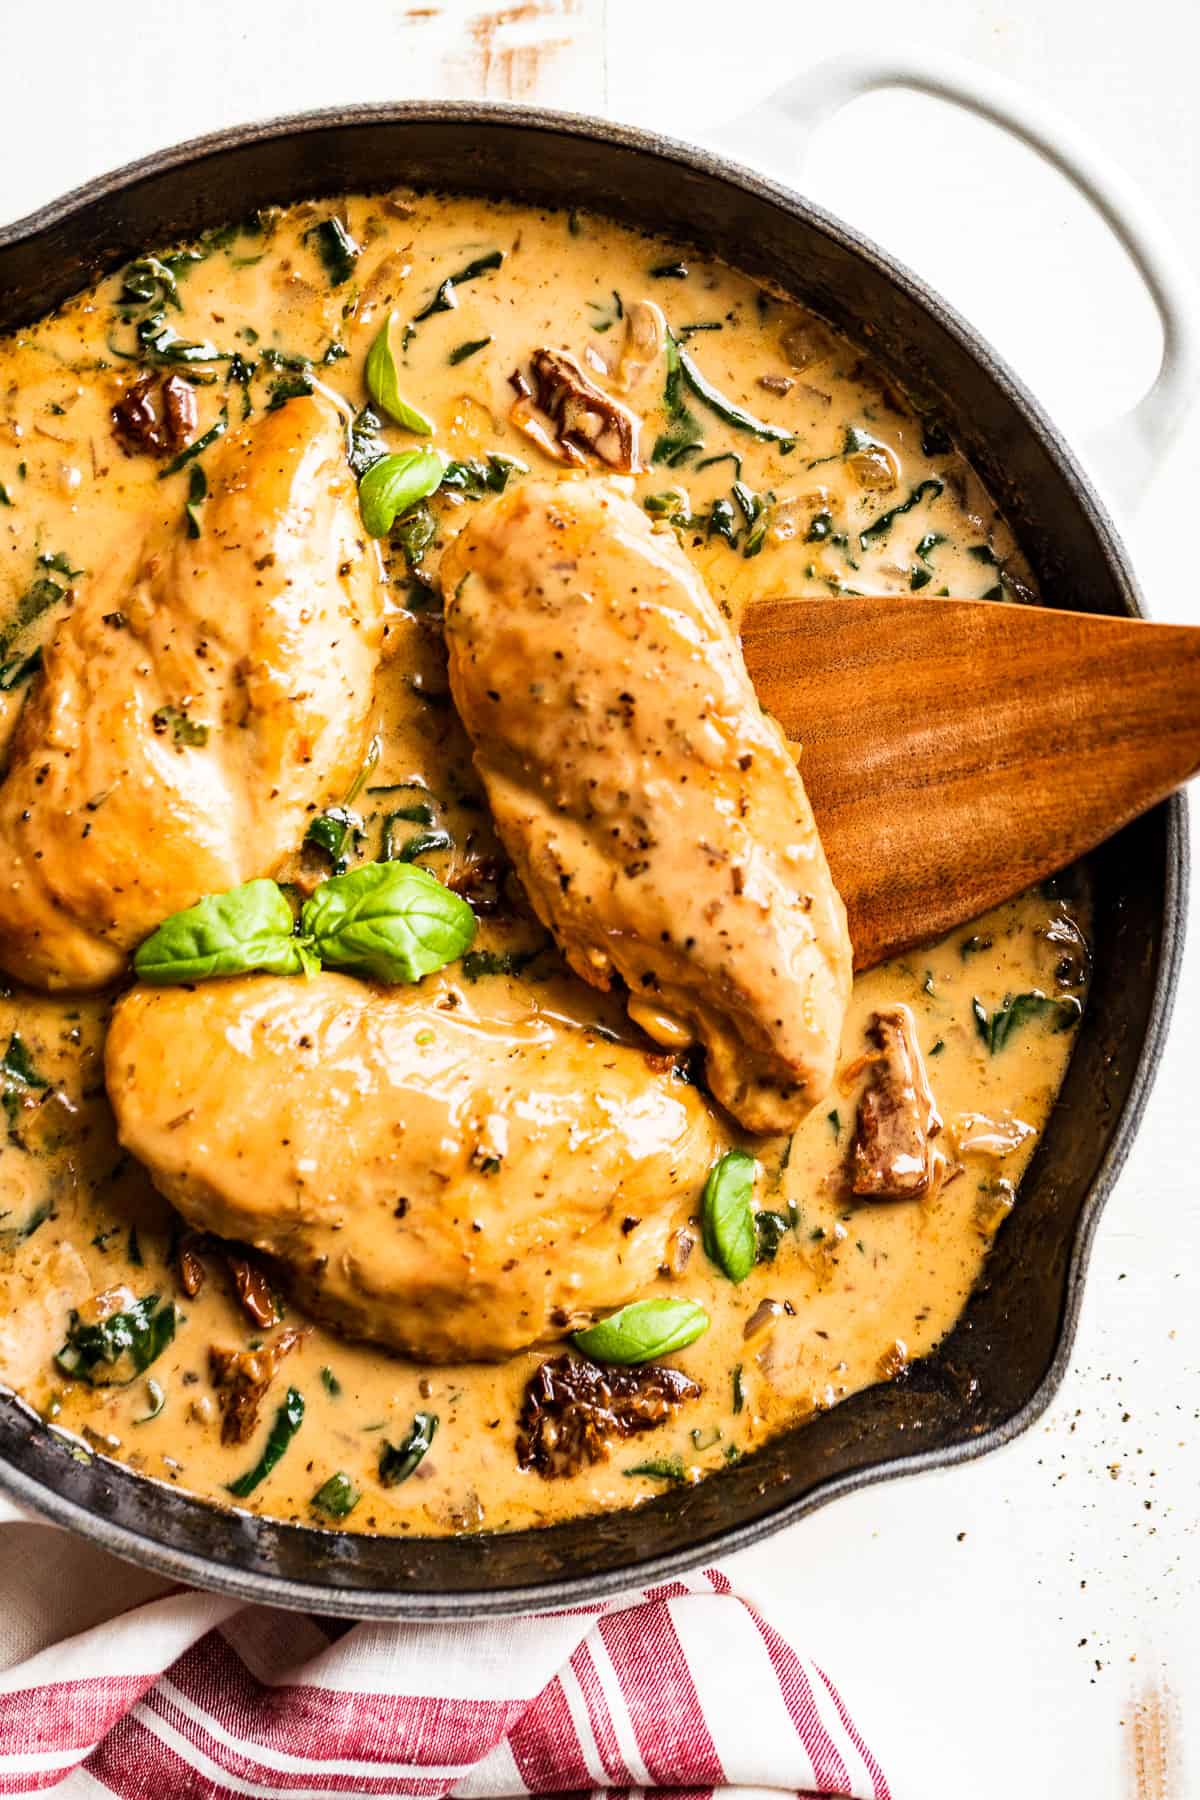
652 811
452 1184
200 698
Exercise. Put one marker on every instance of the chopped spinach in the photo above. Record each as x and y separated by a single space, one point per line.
882 525
475 477
337 833
669 271
445 299
116 1350
157 1398
478 963
336 249
151 282
38 597
18 1079
337 1496
288 1421
660 1468
461 352
18 669
184 731
756 510
414 533
330 1382
365 446
1019 1009
769 1230
207 438
420 843
288 387
197 495
12 1235
397 1461
725 408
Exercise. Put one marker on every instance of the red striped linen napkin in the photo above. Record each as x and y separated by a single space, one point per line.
177 1695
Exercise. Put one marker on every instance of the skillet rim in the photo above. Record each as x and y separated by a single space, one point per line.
416 1605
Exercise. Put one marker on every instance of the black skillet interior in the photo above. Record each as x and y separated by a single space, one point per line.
1008 1352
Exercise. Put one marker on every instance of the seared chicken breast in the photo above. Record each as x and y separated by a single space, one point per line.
453 1184
654 814
200 698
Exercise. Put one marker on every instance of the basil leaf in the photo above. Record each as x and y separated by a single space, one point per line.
394 484
389 920
117 1350
251 927
288 1421
643 1330
769 1230
383 383
397 1461
337 1496
727 1217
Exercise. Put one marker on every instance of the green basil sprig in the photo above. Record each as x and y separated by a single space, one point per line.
643 1330
394 484
727 1217
116 1350
383 384
249 928
287 1423
397 1461
392 921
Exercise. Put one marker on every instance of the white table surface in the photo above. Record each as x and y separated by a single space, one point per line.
1028 1623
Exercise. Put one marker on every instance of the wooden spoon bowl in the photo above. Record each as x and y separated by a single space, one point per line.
957 751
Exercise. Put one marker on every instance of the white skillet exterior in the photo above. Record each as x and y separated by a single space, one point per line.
941 1634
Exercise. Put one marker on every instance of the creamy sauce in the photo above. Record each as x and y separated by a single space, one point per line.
857 1288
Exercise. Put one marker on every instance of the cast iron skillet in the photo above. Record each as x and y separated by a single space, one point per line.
999 1367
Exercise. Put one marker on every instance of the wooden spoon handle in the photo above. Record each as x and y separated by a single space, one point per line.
957 751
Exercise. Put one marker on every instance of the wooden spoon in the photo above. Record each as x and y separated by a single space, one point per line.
956 751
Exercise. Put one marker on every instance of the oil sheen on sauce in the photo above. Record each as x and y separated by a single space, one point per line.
858 1289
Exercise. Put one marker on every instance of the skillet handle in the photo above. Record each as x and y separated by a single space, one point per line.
1125 452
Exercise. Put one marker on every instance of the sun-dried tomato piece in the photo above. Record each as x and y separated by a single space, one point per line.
253 1287
242 1377
894 1157
157 415
585 417
573 1409
187 1263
